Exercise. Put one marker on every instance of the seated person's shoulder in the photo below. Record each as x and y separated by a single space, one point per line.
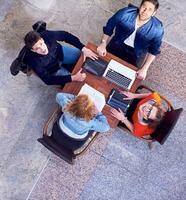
141 130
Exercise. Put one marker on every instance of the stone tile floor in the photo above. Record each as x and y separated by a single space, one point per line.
117 166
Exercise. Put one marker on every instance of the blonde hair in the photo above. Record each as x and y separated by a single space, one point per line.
81 107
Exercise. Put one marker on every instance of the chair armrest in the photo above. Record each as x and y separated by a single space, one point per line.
52 117
86 145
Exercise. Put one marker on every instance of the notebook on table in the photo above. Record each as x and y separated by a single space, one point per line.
97 97
113 71
116 100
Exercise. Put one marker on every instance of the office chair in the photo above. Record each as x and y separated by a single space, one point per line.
164 129
50 140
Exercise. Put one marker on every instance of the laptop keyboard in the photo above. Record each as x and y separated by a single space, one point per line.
118 78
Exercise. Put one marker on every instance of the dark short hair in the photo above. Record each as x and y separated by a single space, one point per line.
154 2
31 38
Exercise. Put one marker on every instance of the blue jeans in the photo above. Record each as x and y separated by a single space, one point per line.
70 57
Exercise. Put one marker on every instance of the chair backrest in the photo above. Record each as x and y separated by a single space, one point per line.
59 143
166 126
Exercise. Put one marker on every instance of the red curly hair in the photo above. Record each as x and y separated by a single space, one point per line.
81 107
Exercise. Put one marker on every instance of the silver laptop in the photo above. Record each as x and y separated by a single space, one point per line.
120 74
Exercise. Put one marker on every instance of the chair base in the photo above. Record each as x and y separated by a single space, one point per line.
64 153
61 152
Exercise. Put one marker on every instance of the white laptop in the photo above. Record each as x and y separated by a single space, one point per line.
120 74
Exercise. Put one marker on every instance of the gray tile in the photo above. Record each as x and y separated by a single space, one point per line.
101 142
64 181
109 181
169 70
128 152
4 7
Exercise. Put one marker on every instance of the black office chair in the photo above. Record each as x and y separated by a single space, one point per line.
164 129
51 139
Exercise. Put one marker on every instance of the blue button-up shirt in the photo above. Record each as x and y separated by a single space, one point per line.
148 37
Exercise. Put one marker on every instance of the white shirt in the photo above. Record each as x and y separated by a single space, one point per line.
130 40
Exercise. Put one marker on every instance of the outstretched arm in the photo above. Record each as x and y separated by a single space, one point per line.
154 49
131 95
102 47
120 116
142 73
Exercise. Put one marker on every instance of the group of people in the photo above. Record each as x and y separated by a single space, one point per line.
137 39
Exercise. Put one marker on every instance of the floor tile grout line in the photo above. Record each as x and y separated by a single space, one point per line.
37 179
174 45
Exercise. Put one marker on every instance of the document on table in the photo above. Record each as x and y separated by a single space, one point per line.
97 97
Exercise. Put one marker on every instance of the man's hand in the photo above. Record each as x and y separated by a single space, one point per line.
102 49
78 76
142 73
88 53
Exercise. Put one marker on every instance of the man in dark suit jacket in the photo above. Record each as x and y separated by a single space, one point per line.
48 58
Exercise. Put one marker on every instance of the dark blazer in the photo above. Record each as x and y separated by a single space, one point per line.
46 65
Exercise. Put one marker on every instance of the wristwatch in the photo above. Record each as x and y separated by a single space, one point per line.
103 41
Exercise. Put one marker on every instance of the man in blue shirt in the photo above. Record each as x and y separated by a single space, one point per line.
138 35
51 61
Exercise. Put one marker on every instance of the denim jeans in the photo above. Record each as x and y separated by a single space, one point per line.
70 57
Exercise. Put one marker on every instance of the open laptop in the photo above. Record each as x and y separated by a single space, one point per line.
117 100
112 71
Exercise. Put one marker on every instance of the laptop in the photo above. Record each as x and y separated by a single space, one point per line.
113 71
96 67
117 100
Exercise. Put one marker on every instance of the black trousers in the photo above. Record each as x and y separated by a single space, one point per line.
124 52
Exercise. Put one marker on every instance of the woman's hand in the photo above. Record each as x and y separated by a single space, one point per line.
118 114
129 95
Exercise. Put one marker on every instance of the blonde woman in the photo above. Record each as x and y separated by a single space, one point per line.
80 117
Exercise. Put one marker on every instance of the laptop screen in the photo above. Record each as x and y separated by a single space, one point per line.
120 74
